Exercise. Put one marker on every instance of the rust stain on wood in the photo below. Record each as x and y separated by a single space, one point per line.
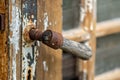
3 44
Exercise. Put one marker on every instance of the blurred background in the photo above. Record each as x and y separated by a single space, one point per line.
108 46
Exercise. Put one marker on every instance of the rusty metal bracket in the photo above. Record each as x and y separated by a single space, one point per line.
56 41
2 22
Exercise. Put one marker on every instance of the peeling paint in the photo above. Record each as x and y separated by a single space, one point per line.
84 9
87 20
29 50
29 60
91 27
46 25
15 37
45 66
82 12
14 28
89 5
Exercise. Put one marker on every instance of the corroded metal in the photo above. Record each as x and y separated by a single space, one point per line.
35 34
55 40
26 32
52 39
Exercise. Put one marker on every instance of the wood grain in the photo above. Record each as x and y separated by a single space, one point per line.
14 39
29 50
79 50
3 43
102 29
111 75
88 23
49 63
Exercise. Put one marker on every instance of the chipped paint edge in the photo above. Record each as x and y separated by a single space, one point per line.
27 49
14 39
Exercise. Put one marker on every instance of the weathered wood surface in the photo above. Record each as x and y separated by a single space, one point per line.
88 23
110 75
103 29
80 50
14 39
3 43
49 63
29 50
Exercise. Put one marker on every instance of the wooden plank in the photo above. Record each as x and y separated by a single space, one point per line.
2 6
3 44
88 22
111 75
49 63
14 39
103 29
29 50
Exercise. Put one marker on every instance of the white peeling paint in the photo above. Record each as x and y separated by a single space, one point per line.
27 49
91 27
87 37
82 12
83 9
50 23
86 28
88 45
89 4
15 28
14 69
46 25
45 66
15 37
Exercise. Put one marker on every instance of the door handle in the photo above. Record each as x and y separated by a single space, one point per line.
55 40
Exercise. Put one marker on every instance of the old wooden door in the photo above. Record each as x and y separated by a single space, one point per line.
20 60
33 61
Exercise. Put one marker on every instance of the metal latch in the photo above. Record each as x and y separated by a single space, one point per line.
56 41
2 22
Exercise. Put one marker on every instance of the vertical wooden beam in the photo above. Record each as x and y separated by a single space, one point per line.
49 63
3 41
29 50
14 39
88 23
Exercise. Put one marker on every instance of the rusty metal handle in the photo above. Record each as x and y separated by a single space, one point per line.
56 41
